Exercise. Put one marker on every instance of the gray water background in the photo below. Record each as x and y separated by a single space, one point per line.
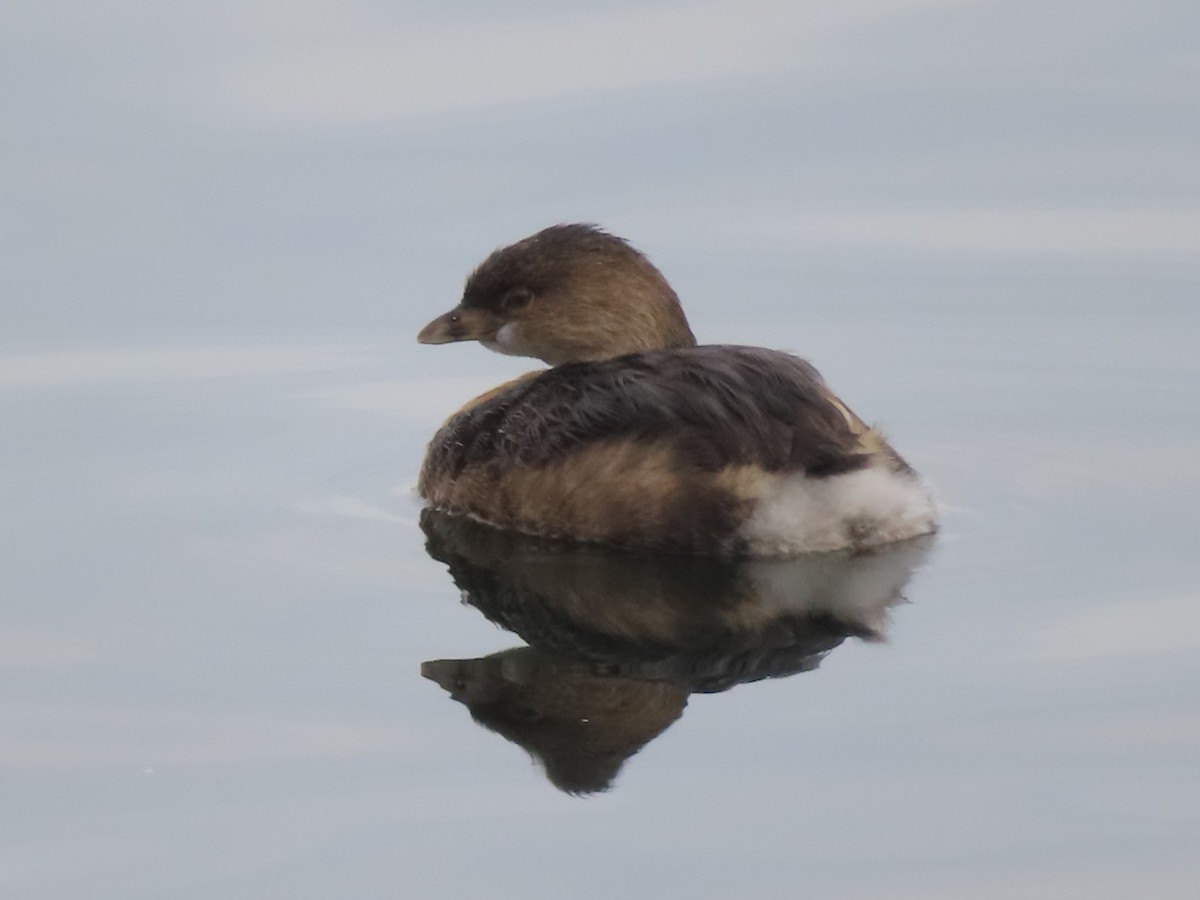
222 228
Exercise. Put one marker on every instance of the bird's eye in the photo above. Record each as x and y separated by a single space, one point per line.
517 298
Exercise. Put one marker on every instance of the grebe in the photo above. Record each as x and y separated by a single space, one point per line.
638 437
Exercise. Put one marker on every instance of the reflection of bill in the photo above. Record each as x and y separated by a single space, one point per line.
619 641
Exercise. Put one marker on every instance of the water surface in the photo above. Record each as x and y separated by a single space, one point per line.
220 602
227 659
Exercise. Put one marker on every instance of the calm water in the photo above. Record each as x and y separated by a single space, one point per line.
229 668
219 611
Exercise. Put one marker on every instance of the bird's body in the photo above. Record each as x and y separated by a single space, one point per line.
676 447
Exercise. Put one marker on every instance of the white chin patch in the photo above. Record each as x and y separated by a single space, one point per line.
506 341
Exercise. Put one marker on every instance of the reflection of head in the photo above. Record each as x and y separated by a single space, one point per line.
579 725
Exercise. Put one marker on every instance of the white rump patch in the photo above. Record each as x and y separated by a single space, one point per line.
798 514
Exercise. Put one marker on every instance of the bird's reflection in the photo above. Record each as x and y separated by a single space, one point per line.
618 641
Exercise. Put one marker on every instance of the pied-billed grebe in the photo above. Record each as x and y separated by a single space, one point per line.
638 437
